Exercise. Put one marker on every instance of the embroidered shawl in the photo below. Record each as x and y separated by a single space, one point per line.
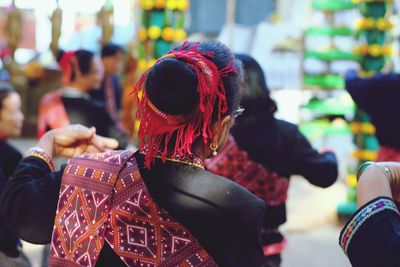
103 198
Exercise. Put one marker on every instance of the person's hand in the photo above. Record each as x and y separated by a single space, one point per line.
75 140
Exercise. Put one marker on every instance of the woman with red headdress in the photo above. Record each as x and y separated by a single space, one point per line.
158 206
82 71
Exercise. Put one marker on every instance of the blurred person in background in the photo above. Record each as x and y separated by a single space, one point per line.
82 71
110 92
262 153
378 97
11 120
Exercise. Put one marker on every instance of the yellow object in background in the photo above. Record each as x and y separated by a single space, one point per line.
160 4
365 155
142 34
180 35
171 4
351 180
168 34
146 4
154 32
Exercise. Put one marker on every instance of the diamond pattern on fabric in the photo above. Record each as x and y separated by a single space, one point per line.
103 198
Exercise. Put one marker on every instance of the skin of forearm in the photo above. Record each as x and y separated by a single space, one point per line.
372 184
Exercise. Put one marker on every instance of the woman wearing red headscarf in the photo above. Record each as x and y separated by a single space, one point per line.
158 206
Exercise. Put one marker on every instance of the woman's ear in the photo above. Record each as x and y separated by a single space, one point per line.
221 131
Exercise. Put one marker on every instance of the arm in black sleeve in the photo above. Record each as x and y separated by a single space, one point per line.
320 169
372 236
29 200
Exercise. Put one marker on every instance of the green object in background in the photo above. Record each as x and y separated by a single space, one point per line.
331 106
352 194
373 10
141 50
157 18
375 37
346 209
145 18
370 63
320 128
161 48
327 81
330 31
333 5
331 55
371 143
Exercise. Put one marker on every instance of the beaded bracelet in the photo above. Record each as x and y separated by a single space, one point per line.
39 153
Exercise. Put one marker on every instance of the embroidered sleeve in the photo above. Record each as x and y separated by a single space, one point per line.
39 153
369 210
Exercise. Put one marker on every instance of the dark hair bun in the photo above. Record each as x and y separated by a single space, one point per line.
171 86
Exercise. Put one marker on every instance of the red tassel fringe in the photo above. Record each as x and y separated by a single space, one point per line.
157 127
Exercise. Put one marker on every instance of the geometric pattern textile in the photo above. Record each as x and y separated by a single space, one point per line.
103 198
236 165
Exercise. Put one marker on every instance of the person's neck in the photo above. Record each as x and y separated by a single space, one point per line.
200 151
78 87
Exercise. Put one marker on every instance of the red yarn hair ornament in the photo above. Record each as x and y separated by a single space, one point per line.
68 64
157 127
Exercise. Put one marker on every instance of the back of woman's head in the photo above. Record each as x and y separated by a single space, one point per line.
73 61
171 84
255 93
186 91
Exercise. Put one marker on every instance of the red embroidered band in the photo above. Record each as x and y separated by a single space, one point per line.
39 153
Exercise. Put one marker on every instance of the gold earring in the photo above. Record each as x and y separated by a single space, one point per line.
214 149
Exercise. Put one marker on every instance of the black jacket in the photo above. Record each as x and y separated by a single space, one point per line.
9 158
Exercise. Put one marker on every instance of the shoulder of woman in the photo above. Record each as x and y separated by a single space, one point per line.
230 193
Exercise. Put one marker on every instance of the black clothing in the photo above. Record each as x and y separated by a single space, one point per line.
372 236
281 148
99 94
90 113
378 97
224 217
9 158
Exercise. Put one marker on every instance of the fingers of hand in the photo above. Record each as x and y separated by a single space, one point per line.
104 143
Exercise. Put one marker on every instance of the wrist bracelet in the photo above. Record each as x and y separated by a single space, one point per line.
363 167
386 171
39 153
